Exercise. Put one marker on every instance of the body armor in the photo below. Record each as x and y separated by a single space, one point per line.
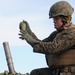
63 59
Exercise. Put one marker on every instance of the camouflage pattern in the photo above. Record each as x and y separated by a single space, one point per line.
61 8
56 43
34 36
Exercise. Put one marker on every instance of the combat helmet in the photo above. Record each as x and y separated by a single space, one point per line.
60 8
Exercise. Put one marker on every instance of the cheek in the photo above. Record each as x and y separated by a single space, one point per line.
59 22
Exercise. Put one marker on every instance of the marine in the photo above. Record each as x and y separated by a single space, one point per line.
59 46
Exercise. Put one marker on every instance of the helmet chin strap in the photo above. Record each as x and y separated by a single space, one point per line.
62 27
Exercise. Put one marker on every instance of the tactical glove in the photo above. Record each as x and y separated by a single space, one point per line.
25 26
25 35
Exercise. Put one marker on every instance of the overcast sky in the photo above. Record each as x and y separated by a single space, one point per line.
12 12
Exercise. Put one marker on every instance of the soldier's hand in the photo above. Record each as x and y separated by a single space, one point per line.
25 35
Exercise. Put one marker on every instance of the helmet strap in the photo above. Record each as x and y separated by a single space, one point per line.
62 27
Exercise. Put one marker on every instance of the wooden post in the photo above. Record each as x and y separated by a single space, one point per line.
8 58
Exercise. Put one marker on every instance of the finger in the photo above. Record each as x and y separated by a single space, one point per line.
20 23
20 34
21 38
23 32
25 22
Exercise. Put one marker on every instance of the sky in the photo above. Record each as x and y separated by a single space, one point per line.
35 12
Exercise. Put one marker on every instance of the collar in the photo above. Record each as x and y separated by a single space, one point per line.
70 26
66 27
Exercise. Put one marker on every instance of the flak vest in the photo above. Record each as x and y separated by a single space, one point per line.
64 59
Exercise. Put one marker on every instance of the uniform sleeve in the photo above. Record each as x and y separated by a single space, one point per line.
60 43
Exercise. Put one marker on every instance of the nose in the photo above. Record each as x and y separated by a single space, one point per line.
54 21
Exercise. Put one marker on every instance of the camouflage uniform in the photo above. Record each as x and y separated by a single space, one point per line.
59 46
57 41
55 44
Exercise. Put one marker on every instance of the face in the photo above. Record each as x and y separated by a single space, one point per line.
57 22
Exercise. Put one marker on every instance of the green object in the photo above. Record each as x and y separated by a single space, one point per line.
25 26
60 8
22 26
25 35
